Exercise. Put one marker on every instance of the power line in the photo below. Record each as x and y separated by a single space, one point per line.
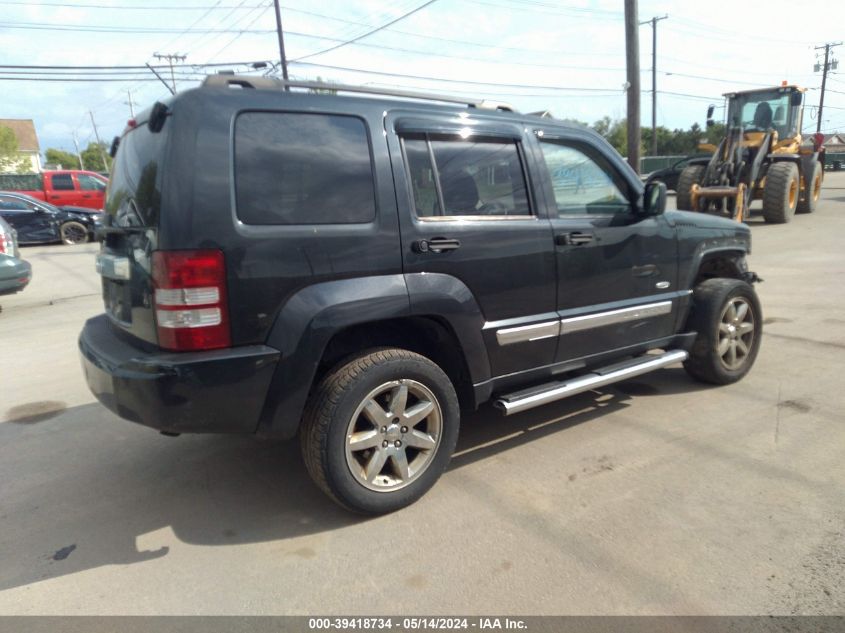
368 33
572 12
453 41
121 7
163 66
101 28
456 81
92 79
446 55
263 10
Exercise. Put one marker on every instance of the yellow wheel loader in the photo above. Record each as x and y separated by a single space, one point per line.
762 157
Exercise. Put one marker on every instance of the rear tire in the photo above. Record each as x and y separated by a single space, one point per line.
379 430
727 316
73 233
780 195
807 204
690 176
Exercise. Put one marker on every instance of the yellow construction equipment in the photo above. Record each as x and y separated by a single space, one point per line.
762 157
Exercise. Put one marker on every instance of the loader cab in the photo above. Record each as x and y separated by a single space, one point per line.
770 109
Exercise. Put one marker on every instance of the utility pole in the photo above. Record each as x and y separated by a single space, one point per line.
632 54
653 21
99 143
131 104
828 64
171 57
280 33
78 153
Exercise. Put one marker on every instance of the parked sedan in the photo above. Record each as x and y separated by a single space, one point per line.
38 222
669 175
15 273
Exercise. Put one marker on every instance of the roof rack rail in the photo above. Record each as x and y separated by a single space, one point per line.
271 83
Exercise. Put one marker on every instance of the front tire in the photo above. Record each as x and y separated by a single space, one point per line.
780 195
73 233
690 176
379 430
727 316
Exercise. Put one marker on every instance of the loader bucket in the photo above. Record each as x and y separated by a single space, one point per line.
737 194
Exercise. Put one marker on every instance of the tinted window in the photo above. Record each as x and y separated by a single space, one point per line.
62 182
134 191
472 177
89 183
424 190
11 204
302 169
582 184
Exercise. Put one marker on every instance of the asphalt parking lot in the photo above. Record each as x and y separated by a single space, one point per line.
656 496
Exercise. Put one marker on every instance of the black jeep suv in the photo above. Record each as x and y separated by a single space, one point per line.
358 269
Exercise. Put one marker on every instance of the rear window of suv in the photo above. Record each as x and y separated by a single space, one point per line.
293 168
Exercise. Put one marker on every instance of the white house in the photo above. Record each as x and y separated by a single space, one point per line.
24 131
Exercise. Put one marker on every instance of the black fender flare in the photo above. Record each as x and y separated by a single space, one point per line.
314 314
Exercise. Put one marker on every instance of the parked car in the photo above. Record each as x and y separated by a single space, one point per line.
355 271
15 273
669 175
37 221
71 187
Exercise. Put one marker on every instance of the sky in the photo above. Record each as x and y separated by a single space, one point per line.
566 56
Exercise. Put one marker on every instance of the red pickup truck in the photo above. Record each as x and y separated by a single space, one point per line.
70 187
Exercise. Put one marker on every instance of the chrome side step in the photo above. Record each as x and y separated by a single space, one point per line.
536 397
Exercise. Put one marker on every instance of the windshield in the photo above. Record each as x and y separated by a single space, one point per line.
765 110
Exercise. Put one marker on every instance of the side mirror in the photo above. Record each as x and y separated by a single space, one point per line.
654 198
796 98
710 110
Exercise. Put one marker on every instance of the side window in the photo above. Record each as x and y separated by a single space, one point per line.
582 185
303 169
62 182
89 183
467 178
10 204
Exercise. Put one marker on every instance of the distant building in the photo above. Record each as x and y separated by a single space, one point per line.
24 131
834 143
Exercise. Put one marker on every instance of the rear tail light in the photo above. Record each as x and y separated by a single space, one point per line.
7 243
190 300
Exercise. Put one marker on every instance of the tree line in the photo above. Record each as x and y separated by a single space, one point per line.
12 161
677 142
92 158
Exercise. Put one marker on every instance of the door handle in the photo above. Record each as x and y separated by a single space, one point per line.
576 238
648 270
436 245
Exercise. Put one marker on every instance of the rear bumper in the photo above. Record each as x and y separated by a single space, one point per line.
15 274
220 391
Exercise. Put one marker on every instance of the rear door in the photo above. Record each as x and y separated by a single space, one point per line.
616 268
467 210
92 191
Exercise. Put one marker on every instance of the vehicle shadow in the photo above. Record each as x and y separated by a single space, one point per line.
83 489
